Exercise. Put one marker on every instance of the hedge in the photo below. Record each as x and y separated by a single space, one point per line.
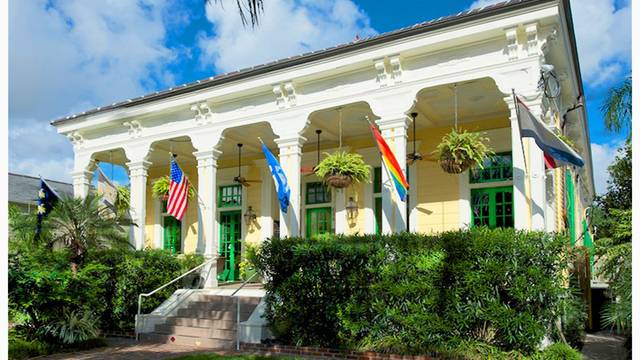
412 293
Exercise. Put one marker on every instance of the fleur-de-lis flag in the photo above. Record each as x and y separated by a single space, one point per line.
47 198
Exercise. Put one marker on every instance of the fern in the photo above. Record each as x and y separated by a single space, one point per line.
464 146
344 163
160 188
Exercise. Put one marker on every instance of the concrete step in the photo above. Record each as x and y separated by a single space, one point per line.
213 314
203 323
182 340
201 332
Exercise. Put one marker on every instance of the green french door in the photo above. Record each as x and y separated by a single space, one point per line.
492 207
230 246
319 221
171 232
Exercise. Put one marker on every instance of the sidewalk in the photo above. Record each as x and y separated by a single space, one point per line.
604 345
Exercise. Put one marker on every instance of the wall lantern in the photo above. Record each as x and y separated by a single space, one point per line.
352 208
249 215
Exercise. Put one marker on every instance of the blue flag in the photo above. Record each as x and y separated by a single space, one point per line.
47 198
279 178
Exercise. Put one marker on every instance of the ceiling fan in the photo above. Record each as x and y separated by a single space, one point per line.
414 155
240 179
312 170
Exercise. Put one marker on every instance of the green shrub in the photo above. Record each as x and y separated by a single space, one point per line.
558 351
23 349
573 316
73 328
409 293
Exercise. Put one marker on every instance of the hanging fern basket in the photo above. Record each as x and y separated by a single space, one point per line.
338 181
452 166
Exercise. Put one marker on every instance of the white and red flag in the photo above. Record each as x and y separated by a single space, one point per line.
178 192
556 152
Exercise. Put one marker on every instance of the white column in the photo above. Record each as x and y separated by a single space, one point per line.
340 211
290 160
266 202
138 181
82 174
394 210
208 236
521 210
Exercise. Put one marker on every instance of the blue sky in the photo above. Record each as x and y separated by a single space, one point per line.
68 56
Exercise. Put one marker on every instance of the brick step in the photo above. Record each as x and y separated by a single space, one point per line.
204 323
213 314
202 332
182 340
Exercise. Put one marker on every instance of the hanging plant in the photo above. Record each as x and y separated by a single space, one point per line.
459 151
160 188
341 168
568 141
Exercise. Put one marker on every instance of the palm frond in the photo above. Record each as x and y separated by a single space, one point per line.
250 10
617 107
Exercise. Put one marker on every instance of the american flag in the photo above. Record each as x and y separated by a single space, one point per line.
178 191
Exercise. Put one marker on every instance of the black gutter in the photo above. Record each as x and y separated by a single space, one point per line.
431 25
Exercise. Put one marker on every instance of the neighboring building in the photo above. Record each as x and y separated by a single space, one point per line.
23 191
484 52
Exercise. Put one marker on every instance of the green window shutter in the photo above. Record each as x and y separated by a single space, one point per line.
319 221
571 206
378 215
377 180
171 229
492 207
588 242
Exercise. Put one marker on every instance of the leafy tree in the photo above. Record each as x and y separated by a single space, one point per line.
617 107
82 224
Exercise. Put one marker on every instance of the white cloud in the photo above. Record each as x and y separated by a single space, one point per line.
602 155
287 28
69 56
603 36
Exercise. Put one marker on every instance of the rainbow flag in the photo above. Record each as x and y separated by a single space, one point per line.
392 164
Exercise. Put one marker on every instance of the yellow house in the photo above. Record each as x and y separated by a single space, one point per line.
459 69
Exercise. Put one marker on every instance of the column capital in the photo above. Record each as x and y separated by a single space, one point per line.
138 168
398 121
137 151
289 141
207 158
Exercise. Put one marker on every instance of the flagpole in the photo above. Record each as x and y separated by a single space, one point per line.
383 163
524 159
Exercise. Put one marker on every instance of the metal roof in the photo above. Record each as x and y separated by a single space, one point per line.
23 189
420 28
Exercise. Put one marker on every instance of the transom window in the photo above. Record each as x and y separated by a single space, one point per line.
497 168
230 196
317 193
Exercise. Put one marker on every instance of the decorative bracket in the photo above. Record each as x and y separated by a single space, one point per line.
203 113
381 72
512 43
396 68
135 129
291 94
285 95
277 91
76 139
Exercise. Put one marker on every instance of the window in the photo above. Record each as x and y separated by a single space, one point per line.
171 231
317 193
230 196
497 168
377 199
492 207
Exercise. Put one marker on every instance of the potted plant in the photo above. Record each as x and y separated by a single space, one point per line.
160 188
341 168
459 151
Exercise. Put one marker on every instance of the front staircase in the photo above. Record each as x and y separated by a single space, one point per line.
207 321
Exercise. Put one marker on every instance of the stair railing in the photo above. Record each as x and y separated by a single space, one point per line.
238 309
164 286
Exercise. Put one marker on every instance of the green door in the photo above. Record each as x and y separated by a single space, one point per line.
492 207
230 233
319 221
171 231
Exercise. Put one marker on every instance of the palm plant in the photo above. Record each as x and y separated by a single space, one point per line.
252 8
73 328
617 107
83 224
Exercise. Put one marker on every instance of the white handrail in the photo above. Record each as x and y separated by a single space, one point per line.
164 286
238 309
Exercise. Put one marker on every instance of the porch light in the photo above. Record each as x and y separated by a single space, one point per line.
249 215
352 208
